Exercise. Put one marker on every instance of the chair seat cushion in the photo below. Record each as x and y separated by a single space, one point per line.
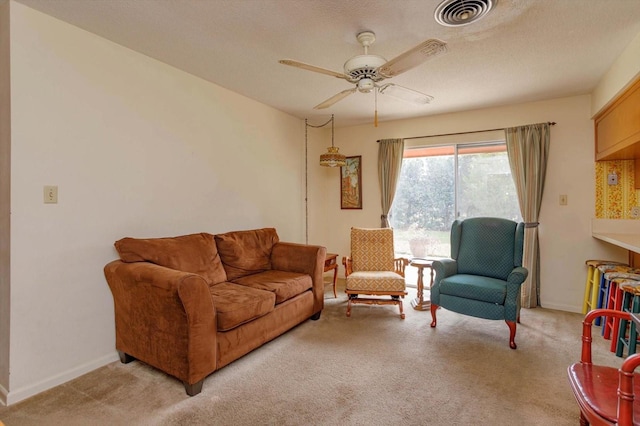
375 281
237 304
285 285
596 386
485 289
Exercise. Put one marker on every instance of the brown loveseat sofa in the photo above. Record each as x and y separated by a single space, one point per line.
192 304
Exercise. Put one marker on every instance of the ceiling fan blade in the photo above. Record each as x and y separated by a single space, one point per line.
413 57
405 94
312 68
335 98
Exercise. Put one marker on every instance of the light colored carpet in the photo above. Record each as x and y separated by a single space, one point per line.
370 369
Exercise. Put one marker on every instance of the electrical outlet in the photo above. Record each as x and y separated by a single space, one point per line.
612 179
50 194
635 212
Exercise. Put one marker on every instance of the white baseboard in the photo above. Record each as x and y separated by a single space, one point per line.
13 396
561 307
3 395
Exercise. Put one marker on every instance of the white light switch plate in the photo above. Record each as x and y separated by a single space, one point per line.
50 194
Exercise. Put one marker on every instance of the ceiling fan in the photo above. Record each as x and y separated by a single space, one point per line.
367 71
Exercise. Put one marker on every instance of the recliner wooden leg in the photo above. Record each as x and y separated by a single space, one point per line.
434 308
512 334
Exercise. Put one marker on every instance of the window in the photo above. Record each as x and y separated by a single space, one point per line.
441 183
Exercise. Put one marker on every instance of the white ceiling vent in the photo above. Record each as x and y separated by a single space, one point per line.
455 13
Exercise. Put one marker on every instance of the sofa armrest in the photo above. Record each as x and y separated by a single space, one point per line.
304 259
164 317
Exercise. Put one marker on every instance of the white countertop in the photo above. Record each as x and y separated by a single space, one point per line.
624 233
628 241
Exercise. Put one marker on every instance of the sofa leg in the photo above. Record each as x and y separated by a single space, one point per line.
193 389
316 316
512 334
125 358
434 308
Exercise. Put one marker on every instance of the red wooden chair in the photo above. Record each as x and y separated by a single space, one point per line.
605 394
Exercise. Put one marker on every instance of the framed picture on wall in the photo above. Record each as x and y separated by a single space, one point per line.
351 183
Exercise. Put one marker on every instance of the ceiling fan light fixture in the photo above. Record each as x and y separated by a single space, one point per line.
366 85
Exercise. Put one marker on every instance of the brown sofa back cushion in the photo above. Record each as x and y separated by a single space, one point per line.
195 253
246 252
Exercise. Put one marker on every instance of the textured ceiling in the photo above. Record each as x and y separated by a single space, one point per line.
523 50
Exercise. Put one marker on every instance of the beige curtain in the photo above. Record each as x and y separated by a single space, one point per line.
528 150
390 152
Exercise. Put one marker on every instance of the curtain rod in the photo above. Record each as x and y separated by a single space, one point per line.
550 123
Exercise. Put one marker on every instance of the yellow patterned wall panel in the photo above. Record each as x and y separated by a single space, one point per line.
615 201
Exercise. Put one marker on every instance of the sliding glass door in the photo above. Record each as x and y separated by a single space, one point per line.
441 183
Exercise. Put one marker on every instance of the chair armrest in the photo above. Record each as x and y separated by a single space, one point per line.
587 324
625 389
304 259
164 317
512 299
444 268
517 276
400 264
348 266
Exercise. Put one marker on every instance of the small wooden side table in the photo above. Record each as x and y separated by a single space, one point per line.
419 303
331 263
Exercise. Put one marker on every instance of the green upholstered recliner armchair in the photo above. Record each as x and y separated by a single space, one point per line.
484 274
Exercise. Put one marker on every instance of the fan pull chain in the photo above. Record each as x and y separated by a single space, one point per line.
375 115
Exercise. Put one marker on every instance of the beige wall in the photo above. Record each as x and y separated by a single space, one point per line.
621 74
137 148
5 179
565 231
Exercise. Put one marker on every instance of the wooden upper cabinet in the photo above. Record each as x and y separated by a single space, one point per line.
618 127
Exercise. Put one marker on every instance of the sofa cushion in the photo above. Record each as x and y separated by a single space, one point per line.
284 285
237 304
195 253
246 252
